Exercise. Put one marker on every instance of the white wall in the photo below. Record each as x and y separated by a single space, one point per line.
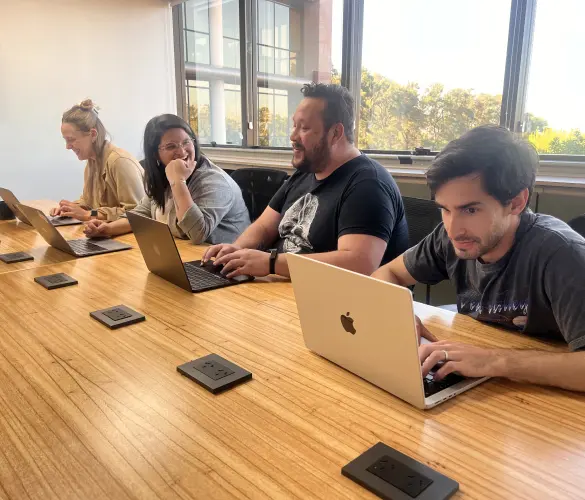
55 53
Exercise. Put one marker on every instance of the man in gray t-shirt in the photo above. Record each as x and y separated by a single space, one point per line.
511 267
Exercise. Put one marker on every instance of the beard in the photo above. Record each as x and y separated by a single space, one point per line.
316 160
481 247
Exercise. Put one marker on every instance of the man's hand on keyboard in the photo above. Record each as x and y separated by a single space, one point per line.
465 359
218 251
244 262
422 332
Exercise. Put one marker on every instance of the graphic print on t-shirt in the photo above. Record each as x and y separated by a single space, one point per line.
510 313
295 225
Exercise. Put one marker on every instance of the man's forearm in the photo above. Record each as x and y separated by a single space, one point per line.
565 370
385 274
345 259
253 237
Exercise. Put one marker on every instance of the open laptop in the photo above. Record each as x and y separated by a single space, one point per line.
162 258
79 248
12 202
367 326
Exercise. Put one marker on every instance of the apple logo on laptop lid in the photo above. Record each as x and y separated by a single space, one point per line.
347 323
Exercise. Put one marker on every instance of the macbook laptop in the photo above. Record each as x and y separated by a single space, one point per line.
367 326
79 248
13 203
162 258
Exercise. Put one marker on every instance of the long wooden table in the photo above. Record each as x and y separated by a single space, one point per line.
86 412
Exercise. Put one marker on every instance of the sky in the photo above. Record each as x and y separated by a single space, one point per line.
463 43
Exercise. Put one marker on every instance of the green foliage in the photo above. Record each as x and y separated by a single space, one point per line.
551 141
401 117
273 130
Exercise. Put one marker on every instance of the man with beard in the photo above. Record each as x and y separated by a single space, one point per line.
511 267
340 206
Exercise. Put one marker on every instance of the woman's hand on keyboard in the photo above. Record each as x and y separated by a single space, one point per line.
96 228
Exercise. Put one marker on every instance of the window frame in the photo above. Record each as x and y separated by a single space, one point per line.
517 66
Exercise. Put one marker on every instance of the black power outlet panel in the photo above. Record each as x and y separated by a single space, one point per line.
214 370
215 373
395 476
13 258
400 476
117 317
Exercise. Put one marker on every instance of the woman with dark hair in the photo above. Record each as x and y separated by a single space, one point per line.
197 199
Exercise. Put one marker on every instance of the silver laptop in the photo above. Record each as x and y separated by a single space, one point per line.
162 258
79 248
12 202
367 326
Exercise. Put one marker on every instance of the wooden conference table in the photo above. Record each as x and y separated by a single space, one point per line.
88 413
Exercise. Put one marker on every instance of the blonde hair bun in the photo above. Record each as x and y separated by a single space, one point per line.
88 105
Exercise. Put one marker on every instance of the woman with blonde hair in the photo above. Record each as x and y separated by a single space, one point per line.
113 180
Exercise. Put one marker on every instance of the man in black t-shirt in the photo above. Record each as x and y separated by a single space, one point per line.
340 206
511 267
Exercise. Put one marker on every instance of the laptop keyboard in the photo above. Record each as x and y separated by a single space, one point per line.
59 219
432 387
200 279
84 247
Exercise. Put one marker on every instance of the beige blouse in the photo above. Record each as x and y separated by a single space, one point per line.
113 187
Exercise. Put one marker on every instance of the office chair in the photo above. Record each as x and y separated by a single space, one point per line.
5 212
258 186
578 225
422 217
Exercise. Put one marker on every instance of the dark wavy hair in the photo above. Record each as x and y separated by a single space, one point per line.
507 164
155 180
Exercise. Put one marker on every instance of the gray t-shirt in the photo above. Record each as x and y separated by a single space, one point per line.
218 215
538 287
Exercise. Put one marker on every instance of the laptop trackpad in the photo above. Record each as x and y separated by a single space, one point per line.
108 244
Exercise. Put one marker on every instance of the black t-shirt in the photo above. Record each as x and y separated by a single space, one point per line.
360 197
538 287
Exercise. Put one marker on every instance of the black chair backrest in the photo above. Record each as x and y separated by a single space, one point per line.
422 217
578 225
229 171
5 212
258 186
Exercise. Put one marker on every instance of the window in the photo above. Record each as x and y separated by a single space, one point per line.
199 110
555 107
296 45
428 70
432 73
212 66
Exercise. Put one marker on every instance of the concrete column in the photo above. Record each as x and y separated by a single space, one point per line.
216 87
318 20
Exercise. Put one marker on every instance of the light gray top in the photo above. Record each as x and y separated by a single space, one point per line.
219 214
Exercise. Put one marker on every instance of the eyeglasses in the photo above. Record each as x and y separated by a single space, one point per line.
171 147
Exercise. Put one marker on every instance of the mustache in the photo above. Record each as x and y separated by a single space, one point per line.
465 239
